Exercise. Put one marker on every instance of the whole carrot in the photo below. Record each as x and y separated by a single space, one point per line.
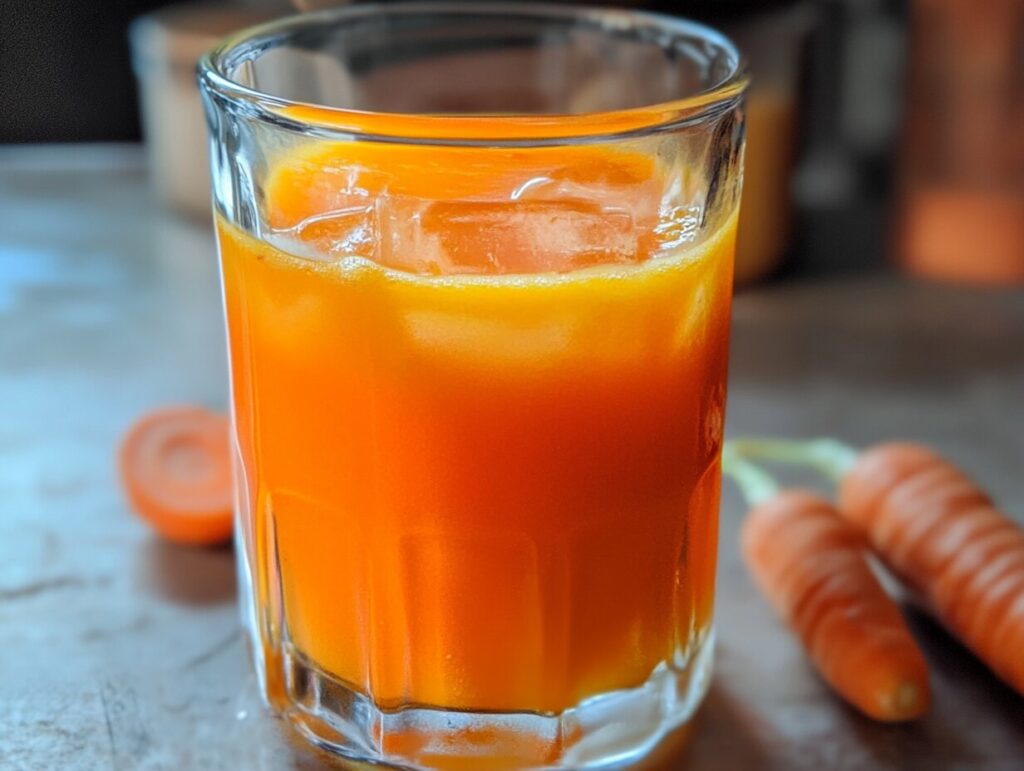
944 537
810 565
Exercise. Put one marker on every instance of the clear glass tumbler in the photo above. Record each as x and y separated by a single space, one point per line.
477 267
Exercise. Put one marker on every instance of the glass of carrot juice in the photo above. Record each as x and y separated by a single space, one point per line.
477 269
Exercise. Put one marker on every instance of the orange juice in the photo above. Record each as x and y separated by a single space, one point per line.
479 442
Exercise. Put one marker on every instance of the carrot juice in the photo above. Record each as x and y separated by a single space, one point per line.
477 264
489 472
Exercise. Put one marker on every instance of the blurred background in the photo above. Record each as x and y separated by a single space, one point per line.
848 163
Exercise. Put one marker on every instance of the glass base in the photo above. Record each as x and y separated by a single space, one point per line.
611 730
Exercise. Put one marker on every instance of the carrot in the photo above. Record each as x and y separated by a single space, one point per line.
810 564
942 535
936 530
174 465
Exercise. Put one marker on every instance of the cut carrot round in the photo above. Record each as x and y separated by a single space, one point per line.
175 466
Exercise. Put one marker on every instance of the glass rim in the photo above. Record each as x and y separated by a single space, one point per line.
515 129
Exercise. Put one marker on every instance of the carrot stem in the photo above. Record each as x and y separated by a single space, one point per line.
827 456
756 484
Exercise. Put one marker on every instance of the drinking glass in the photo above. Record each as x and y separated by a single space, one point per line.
477 270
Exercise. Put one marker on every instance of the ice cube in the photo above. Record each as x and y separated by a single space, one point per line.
430 237
336 234
506 237
402 242
678 225
611 187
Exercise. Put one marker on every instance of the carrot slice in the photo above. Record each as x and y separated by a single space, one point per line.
175 467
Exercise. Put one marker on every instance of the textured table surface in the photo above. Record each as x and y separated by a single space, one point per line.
118 651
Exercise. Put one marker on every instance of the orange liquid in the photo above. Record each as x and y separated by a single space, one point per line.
490 479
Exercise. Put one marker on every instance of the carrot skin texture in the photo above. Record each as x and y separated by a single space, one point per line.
810 565
944 537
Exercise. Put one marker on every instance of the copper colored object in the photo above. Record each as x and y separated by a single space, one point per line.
962 192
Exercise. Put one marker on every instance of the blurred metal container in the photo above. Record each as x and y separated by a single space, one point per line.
165 47
961 198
